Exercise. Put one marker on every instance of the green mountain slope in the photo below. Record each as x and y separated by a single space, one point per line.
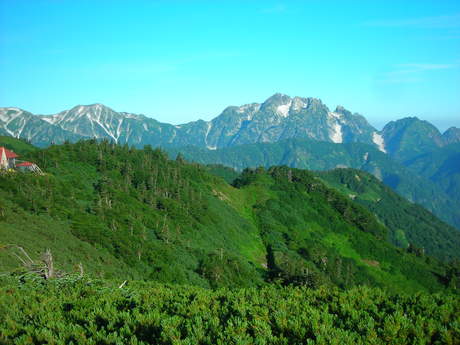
442 166
17 145
408 223
409 137
314 233
316 155
130 213
161 218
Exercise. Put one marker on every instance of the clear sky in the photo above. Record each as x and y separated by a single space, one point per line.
178 61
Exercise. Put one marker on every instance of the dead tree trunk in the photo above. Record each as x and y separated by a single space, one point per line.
49 265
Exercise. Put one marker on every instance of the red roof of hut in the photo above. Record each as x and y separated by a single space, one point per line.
24 164
9 154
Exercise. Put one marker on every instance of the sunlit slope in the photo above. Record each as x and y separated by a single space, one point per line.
125 213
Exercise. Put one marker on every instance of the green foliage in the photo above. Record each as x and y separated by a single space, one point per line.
431 191
228 174
407 222
134 214
128 214
74 311
315 236
19 146
160 218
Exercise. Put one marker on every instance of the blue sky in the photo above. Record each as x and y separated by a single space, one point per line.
178 61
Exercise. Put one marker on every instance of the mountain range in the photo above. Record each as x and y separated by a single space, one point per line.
410 155
280 117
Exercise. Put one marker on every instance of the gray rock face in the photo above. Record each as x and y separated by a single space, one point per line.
281 117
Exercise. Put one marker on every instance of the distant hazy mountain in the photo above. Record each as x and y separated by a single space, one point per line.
442 166
452 135
409 137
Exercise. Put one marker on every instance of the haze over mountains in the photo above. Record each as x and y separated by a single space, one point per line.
410 155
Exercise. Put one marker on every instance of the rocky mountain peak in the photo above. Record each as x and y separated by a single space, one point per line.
277 99
91 109
451 136
342 110
284 105
278 103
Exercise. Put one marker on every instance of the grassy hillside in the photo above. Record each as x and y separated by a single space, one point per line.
19 146
315 235
162 218
133 214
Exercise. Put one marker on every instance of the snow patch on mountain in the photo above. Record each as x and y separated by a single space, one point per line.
335 133
80 110
298 104
283 109
243 108
173 136
249 110
23 122
379 141
7 117
335 115
120 123
52 119
366 156
208 129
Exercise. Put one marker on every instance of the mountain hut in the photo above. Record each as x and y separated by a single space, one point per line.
7 159
9 162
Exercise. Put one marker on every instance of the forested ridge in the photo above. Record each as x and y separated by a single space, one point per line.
436 194
409 224
119 214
